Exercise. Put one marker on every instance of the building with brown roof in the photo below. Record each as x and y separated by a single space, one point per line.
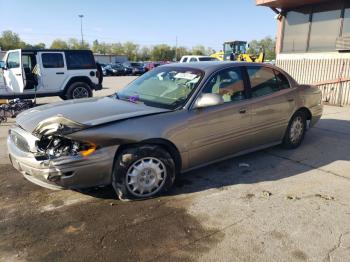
313 44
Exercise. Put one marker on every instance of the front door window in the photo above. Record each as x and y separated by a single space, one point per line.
228 83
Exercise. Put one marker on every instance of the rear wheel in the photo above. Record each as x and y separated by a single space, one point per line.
296 131
78 90
143 172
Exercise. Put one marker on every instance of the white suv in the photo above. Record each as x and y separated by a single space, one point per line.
196 58
69 74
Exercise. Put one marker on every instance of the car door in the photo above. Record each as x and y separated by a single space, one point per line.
13 73
272 102
53 71
2 81
220 131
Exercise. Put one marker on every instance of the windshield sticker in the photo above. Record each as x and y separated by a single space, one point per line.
187 75
134 98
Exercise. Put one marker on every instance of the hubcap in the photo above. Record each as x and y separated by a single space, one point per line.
296 130
146 177
80 92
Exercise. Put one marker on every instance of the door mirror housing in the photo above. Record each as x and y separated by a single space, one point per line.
208 99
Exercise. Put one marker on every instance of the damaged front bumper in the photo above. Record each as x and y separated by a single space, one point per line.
64 172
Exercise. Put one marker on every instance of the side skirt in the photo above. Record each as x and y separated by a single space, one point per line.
244 152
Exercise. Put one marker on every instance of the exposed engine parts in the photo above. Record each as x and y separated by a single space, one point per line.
51 147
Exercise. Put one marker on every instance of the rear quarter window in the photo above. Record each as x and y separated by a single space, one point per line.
80 60
282 80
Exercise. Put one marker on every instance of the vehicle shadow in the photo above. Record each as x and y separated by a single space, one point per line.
327 143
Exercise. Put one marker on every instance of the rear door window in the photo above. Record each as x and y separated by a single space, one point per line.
52 60
184 60
263 81
80 60
193 59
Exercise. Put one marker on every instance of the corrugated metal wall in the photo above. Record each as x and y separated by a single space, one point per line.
320 72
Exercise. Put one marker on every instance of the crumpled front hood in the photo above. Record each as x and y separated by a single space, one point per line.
86 112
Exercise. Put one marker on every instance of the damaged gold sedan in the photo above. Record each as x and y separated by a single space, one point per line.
172 119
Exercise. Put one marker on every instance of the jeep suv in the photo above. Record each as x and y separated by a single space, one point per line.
69 74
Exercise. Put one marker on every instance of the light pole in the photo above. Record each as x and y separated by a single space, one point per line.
81 29
175 59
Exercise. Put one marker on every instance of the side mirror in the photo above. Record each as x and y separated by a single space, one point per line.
205 100
2 65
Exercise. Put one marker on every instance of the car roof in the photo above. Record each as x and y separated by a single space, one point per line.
212 65
53 50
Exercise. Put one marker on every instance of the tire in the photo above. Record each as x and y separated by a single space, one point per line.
143 172
78 90
295 132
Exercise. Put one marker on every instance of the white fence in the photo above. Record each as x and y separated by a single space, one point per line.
331 75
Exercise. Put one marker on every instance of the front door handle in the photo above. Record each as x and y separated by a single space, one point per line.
242 111
290 99
18 74
60 73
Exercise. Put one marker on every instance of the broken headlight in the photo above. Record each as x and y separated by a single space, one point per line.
56 146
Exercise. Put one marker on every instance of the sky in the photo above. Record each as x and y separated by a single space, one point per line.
145 22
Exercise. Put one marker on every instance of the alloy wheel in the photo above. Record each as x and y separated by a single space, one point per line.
146 177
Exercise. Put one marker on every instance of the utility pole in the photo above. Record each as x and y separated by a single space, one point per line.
175 59
81 29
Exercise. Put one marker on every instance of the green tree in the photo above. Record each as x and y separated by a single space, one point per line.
181 51
144 54
198 50
162 52
74 43
35 46
267 44
117 49
101 48
10 40
130 50
59 44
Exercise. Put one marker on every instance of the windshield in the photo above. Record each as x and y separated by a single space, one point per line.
115 66
207 59
164 87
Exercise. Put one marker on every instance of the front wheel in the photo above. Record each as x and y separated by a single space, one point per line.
296 131
143 172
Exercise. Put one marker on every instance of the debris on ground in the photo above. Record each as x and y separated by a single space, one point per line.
243 165
326 197
249 195
266 193
292 197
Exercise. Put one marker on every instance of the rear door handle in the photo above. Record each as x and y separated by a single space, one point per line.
18 74
290 99
242 111
59 73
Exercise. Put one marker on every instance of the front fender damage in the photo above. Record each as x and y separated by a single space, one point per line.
58 125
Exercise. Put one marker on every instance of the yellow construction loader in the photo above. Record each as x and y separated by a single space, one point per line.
237 51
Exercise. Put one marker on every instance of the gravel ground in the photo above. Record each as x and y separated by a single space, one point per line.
286 205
